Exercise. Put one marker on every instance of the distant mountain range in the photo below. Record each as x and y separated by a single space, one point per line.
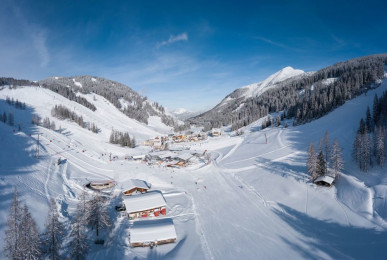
183 114
296 94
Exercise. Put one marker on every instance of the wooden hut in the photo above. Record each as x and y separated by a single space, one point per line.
150 204
101 185
325 180
152 233
134 186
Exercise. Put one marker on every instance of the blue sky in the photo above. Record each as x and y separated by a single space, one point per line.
187 54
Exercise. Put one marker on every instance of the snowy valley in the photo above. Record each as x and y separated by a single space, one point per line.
251 198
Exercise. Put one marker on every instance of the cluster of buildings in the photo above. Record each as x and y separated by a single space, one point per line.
175 158
164 142
145 208
140 203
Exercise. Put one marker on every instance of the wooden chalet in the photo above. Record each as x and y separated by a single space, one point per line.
152 233
101 185
325 180
150 204
135 186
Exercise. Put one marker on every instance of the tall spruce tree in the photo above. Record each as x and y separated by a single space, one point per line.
380 145
54 234
29 237
78 245
312 162
327 151
98 216
336 158
320 167
12 247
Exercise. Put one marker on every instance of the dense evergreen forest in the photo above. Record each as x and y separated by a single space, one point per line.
304 98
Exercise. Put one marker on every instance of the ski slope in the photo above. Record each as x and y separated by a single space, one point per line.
253 201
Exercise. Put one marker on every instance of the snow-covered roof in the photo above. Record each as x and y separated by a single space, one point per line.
100 182
154 230
145 201
184 156
135 183
328 179
167 154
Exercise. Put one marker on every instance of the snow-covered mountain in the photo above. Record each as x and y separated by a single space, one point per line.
121 96
256 89
182 113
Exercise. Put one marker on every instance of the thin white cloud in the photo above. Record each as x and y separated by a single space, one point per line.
38 36
173 39
272 42
39 40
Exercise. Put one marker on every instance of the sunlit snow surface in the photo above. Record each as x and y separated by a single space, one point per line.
253 201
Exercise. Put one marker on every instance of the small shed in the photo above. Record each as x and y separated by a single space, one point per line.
101 185
144 205
152 233
134 186
325 180
185 157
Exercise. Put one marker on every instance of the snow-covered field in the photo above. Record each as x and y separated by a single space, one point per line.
253 201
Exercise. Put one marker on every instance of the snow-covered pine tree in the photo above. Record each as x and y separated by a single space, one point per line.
78 245
97 216
12 249
365 155
111 139
336 158
380 145
29 237
11 119
320 167
327 151
53 236
312 162
368 121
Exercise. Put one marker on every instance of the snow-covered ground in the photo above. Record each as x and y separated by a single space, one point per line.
253 201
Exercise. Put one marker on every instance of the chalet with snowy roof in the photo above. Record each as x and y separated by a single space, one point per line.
152 233
179 138
157 143
325 180
101 185
150 204
215 132
135 186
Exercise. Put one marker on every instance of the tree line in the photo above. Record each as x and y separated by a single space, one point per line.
24 241
328 160
62 112
121 96
16 103
123 139
369 145
69 94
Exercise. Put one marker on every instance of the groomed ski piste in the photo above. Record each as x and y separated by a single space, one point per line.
252 201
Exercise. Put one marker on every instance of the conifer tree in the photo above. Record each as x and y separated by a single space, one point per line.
78 245
320 167
11 120
97 216
312 162
29 236
12 247
327 151
337 158
53 236
380 145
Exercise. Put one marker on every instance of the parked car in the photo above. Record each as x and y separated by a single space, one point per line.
120 208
